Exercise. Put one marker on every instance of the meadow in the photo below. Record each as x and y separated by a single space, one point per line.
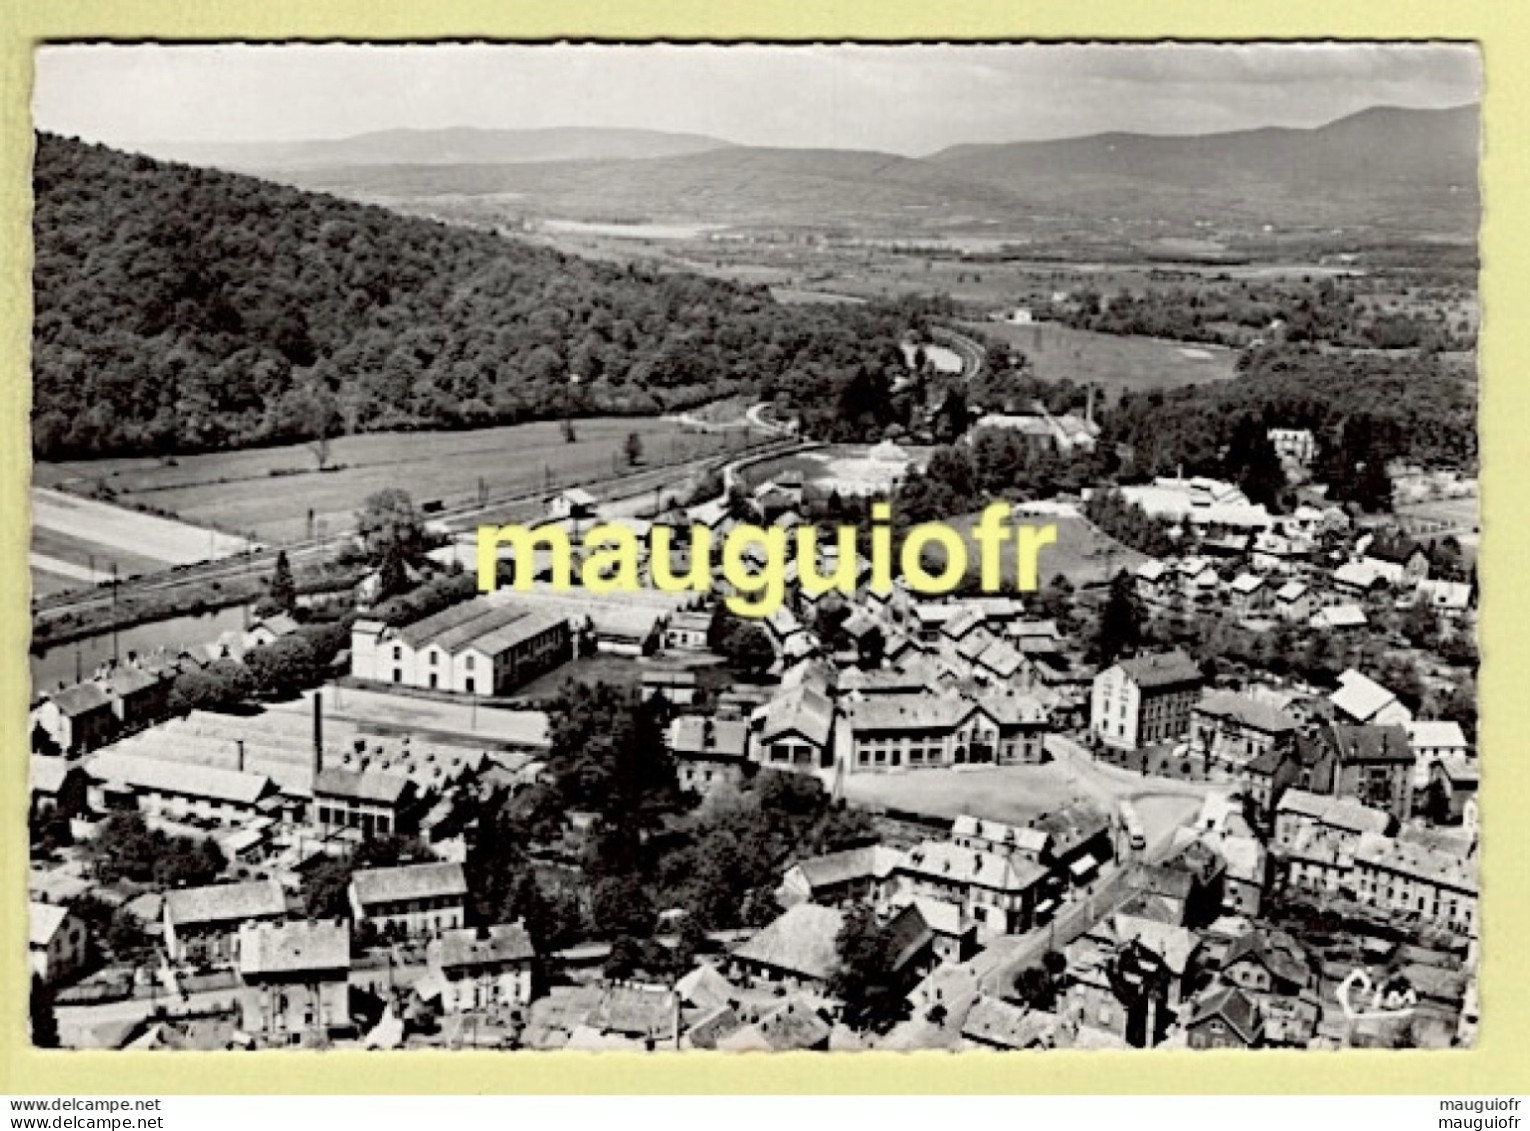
1115 362
269 493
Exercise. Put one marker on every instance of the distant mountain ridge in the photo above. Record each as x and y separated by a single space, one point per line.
1383 143
456 145
1386 167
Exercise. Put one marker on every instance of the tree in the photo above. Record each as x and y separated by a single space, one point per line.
126 848
1420 624
607 753
1253 463
748 647
633 449
325 888
283 588
625 958
1121 620
1035 988
620 906
389 525
1055 601
567 429
285 665
864 980
1459 705
44 1023
221 684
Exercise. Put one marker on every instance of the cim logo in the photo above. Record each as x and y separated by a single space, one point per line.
1363 1000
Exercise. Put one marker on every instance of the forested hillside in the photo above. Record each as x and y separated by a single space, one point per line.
1365 409
180 309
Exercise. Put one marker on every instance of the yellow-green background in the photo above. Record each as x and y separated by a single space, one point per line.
1501 1061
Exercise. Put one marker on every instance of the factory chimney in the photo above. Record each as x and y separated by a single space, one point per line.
318 731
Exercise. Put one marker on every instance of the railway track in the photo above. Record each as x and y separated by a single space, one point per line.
462 516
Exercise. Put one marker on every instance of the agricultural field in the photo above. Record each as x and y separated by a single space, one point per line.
1118 363
269 492
77 542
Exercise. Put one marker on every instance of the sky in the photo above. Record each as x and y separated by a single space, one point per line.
911 100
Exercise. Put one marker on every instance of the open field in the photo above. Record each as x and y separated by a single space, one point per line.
1002 793
85 555
1456 515
270 491
76 542
128 531
1118 363
1082 553
600 668
834 466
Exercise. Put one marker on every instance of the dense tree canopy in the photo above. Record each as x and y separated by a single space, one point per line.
1364 410
184 309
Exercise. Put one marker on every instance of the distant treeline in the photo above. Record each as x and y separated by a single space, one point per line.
181 309
1343 312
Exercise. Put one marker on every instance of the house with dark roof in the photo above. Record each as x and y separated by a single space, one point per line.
139 697
76 720
1224 1018
202 924
708 751
1398 558
1144 701
372 802
1268 961
412 900
1194 878
483 968
1373 764
294 982
1078 841
478 647
1452 789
